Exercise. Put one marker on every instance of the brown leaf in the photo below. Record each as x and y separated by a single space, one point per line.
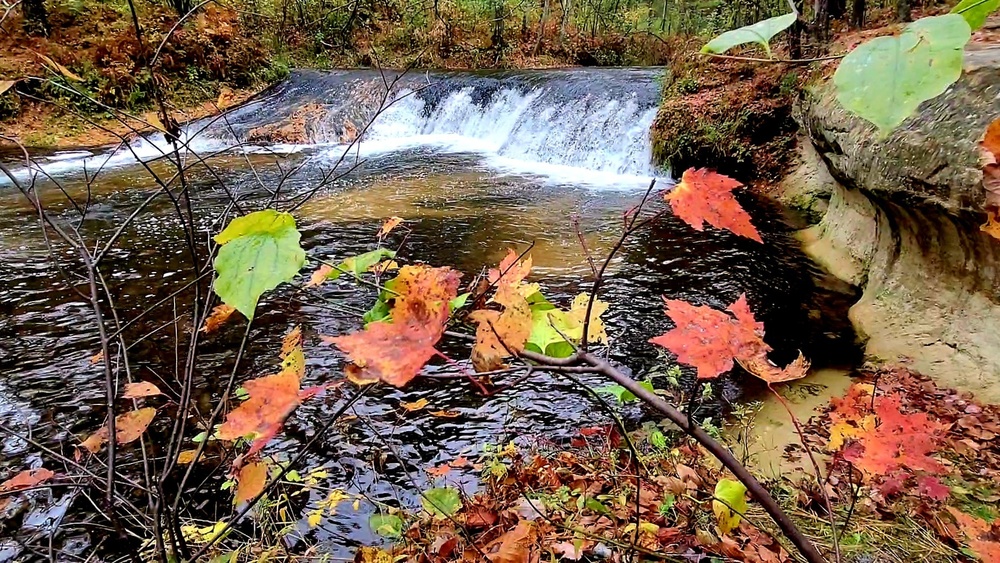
515 545
446 414
415 405
186 456
760 367
97 358
480 517
6 85
62 70
140 389
220 314
250 481
130 426
319 276
26 479
571 551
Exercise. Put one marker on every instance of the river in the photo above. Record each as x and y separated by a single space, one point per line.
475 163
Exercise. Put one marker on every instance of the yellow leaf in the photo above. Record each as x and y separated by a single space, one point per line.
97 358
414 406
446 414
357 505
844 430
6 85
186 457
315 517
154 120
252 480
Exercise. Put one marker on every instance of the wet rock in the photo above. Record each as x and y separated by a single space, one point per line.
899 217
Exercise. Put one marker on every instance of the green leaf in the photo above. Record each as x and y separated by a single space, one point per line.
761 32
259 251
884 80
458 302
386 525
596 505
361 263
624 395
733 494
442 501
975 12
658 440
379 312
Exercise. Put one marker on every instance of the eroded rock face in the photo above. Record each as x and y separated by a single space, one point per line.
900 218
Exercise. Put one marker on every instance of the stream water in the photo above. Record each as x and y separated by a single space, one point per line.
475 164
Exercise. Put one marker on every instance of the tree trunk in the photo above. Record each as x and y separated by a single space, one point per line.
903 11
822 23
541 27
36 18
566 6
837 9
858 14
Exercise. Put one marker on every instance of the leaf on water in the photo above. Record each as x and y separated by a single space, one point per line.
140 389
187 456
271 399
259 251
357 265
220 314
395 350
320 275
442 501
975 12
711 340
26 479
885 79
761 33
446 414
390 224
386 525
763 369
97 358
62 70
704 196
734 502
130 426
251 481
415 405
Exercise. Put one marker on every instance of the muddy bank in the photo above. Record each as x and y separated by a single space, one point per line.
900 218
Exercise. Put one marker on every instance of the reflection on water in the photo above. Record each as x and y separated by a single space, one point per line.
460 213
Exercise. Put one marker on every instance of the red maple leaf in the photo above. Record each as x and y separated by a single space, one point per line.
703 197
712 340
980 534
899 440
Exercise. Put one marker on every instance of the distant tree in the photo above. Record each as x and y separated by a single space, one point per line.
903 10
36 17
858 14
181 6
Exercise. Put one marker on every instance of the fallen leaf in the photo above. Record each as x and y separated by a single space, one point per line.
97 358
140 389
26 479
703 196
446 414
220 314
515 545
185 457
251 481
730 504
319 276
571 551
415 405
130 426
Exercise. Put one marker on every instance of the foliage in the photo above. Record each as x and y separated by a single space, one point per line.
761 33
922 62
258 252
975 12
730 504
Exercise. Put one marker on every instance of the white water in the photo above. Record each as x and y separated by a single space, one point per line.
590 139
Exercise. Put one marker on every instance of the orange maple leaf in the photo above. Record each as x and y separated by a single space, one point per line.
128 428
220 314
712 340
395 351
511 270
899 440
703 197
390 224
26 479
979 531
501 334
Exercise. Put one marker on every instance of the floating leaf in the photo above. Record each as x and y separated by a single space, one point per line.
734 502
320 275
414 406
386 525
251 481
975 12
761 32
442 501
446 414
187 456
259 251
390 224
130 426
703 197
140 390
885 79
771 374
26 479
711 340
220 314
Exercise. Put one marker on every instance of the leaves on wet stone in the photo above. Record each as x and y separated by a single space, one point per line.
703 196
258 252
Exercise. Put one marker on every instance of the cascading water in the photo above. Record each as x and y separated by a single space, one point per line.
582 125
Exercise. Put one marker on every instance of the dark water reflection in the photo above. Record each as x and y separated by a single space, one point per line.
461 214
